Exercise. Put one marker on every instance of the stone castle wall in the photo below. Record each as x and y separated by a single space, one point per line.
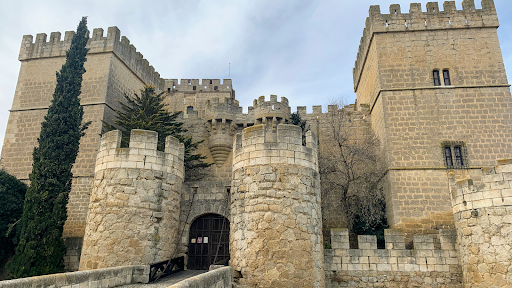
135 202
483 217
275 237
424 266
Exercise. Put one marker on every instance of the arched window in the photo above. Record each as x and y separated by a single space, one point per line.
190 109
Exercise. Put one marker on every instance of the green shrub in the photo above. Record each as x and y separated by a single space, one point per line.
12 194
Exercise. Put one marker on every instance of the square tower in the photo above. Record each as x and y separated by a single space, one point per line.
113 67
440 102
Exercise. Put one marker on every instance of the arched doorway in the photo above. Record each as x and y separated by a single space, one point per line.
208 242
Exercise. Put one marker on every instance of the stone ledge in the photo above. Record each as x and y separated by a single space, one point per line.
107 277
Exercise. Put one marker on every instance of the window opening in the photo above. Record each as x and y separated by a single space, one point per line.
190 109
448 156
449 21
215 87
211 81
455 154
437 81
458 156
446 76
168 90
387 23
189 81
193 87
406 23
425 23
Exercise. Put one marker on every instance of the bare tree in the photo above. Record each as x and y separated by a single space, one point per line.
350 168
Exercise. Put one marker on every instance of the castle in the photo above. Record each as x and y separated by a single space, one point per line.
431 85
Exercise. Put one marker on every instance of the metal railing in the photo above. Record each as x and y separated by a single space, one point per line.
166 268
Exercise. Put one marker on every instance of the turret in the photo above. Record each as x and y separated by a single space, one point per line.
135 202
275 238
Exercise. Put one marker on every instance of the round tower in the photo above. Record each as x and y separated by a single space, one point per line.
483 218
134 207
275 238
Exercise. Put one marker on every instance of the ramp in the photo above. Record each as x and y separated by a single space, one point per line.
169 280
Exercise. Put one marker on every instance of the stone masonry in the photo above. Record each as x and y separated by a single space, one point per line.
412 117
134 209
483 217
424 266
275 238
136 206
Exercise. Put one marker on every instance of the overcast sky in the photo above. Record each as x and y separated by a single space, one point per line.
303 50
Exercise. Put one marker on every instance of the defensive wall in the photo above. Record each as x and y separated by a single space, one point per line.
134 209
275 235
424 266
483 217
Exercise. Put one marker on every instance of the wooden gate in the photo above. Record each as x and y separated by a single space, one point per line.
208 242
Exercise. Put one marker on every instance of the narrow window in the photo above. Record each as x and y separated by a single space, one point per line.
189 80
190 109
448 156
211 81
455 154
458 156
446 76
437 81
168 90
215 87
193 87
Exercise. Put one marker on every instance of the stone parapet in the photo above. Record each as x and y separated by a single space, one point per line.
417 20
260 146
483 217
371 266
108 277
218 278
272 109
135 200
275 236
41 48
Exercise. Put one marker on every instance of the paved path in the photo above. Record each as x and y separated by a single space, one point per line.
169 280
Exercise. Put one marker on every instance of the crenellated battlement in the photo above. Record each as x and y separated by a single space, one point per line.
483 217
417 20
264 110
423 258
258 145
141 154
222 110
113 42
206 85
496 190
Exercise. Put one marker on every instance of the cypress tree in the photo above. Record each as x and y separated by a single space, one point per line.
41 249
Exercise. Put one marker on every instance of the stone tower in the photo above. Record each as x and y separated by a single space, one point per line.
275 238
439 101
135 202
483 217
113 66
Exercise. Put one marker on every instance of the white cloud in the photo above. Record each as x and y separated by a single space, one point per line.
303 50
